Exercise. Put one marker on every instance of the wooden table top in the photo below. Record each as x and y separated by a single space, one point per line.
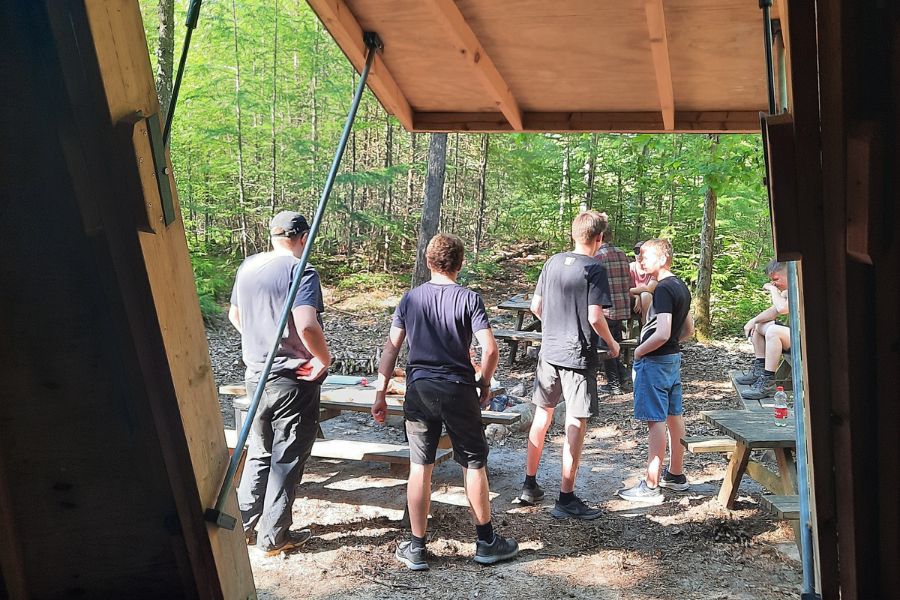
519 302
755 429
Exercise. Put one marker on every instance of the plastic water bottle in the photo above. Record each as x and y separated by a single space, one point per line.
781 407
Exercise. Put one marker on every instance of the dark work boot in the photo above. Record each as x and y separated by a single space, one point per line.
763 387
749 377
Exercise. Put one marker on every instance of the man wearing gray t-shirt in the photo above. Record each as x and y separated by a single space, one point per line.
284 430
569 298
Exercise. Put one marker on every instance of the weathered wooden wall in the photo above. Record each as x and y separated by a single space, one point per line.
111 440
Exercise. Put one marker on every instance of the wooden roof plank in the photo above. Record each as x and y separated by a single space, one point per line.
473 52
348 34
659 47
617 122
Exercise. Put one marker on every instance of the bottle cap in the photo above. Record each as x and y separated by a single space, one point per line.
779 388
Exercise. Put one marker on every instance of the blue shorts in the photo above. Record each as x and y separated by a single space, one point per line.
657 387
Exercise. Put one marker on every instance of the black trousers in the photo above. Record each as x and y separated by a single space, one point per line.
280 443
613 366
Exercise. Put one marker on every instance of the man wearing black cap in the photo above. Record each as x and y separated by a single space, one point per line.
285 426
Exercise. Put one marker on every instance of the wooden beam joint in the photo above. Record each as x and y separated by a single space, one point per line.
659 47
470 48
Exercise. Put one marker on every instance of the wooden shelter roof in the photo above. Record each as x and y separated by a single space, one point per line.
561 65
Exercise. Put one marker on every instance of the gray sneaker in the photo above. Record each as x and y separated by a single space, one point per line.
750 376
642 493
576 509
500 549
763 387
414 558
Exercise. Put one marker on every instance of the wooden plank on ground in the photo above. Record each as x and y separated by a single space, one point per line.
784 507
368 451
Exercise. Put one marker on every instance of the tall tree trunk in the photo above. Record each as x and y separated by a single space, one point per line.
705 270
590 169
242 200
165 55
431 209
389 196
564 192
410 189
272 198
482 193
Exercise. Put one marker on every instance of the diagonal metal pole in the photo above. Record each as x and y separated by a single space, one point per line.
191 24
217 514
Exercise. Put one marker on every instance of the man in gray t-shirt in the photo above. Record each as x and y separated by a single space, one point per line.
571 293
286 422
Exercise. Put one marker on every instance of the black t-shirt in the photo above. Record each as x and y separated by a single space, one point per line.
439 320
568 284
671 296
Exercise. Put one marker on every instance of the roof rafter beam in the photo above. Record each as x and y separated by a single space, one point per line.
474 54
348 34
659 46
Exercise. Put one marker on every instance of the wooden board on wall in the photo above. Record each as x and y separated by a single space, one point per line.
125 67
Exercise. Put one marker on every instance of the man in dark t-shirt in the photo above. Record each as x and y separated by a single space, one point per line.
569 298
438 319
285 426
657 375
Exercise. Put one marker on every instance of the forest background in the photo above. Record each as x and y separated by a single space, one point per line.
265 95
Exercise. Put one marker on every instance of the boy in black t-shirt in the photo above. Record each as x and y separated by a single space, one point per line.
569 298
657 374
439 318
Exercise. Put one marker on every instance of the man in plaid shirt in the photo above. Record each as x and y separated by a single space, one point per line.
619 275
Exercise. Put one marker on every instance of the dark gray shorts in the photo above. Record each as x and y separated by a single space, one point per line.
576 386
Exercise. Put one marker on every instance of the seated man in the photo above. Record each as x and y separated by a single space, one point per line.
642 285
769 339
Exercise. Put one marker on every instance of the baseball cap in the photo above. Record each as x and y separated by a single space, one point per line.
288 223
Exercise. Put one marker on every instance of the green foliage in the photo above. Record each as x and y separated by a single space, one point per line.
366 282
478 272
214 277
293 100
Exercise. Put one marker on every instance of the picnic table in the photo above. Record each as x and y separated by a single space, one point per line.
523 333
755 430
336 399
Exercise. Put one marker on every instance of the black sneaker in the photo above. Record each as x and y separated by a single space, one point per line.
500 549
531 495
294 540
414 558
673 482
763 387
642 493
750 376
576 509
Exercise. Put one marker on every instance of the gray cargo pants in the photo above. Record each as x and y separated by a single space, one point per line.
280 442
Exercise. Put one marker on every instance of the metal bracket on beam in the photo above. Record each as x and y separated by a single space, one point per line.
372 41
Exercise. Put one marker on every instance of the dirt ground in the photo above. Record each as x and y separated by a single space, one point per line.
688 547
